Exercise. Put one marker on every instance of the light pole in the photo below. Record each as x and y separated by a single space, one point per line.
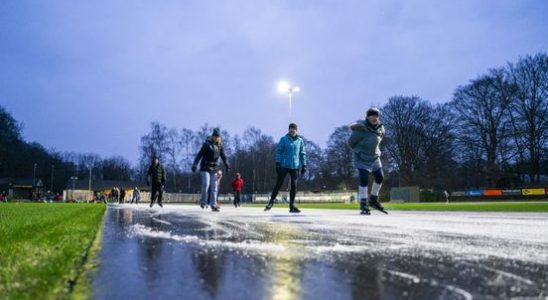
285 87
51 184
34 176
73 178
89 184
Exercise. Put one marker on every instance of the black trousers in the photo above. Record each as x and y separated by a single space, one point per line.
364 176
293 174
157 191
236 197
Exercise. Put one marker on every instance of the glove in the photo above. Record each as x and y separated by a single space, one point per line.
194 169
303 170
148 182
278 167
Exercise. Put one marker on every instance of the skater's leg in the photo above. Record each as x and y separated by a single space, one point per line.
293 189
374 199
278 186
153 193
213 190
160 194
379 177
205 188
362 191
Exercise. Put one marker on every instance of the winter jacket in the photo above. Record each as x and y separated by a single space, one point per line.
291 152
237 185
364 142
208 156
157 174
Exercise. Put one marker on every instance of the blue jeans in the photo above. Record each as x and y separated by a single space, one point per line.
209 189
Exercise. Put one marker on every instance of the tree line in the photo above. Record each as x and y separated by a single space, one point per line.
29 160
492 133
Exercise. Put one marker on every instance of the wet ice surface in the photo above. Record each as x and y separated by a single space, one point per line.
184 252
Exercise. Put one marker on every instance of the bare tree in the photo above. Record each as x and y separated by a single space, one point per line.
529 111
188 143
482 114
115 168
338 157
172 154
406 120
154 143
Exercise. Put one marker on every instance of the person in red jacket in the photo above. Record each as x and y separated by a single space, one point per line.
237 185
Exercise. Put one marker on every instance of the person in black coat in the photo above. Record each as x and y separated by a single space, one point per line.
122 196
156 178
208 158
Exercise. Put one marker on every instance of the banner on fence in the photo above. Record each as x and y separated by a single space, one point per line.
533 192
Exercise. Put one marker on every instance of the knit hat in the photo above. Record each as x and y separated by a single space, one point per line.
373 111
216 132
293 126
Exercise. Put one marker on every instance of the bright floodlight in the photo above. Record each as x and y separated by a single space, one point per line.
283 86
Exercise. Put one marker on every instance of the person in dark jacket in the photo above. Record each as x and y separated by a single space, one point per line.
208 158
136 196
290 159
156 178
237 185
122 196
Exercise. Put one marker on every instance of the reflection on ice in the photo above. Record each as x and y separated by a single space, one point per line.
140 230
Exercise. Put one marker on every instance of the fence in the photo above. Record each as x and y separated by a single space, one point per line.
302 197
501 194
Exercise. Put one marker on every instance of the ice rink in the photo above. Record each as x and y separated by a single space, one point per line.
182 251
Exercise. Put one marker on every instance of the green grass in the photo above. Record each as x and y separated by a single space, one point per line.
44 248
465 206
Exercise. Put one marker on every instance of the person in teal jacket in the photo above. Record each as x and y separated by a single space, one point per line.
366 157
290 159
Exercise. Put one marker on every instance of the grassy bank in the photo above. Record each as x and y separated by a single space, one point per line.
467 206
44 247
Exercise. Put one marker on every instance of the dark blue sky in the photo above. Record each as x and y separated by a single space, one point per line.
89 76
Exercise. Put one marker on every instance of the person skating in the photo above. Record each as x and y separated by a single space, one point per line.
366 157
237 185
156 179
122 199
208 158
136 196
290 159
